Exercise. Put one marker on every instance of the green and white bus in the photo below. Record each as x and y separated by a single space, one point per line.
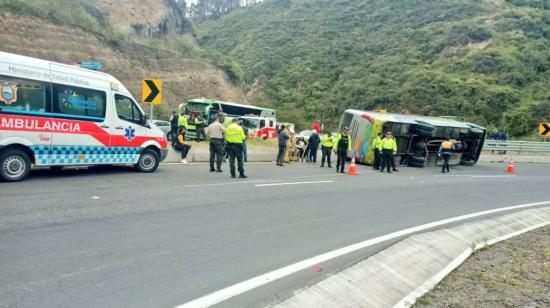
259 121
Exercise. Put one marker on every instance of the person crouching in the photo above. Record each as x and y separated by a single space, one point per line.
182 146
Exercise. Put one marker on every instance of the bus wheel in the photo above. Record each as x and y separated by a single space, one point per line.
148 161
15 165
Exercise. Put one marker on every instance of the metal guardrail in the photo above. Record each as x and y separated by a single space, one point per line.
520 146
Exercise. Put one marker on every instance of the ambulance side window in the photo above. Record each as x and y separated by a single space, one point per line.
24 96
79 102
127 110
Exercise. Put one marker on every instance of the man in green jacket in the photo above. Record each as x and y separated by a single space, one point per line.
234 136
377 143
388 146
326 148
342 145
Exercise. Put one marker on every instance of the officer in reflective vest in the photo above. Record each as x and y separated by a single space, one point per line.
182 121
326 148
234 136
388 146
341 146
377 144
446 149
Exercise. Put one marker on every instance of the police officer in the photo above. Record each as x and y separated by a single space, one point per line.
341 146
377 143
234 136
182 121
446 149
388 146
215 133
326 148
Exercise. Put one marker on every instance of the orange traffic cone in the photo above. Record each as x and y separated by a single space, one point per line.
352 169
511 168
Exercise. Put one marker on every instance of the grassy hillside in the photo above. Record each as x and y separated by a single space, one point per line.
159 46
486 60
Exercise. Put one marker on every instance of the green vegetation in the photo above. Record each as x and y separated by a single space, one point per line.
73 12
84 14
486 60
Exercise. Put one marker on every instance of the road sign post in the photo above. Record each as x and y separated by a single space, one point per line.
151 92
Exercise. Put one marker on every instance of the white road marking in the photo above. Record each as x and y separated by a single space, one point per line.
247 285
232 183
293 183
493 176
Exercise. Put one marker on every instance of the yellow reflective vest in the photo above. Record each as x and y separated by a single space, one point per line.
388 144
234 134
347 139
377 143
327 141
182 121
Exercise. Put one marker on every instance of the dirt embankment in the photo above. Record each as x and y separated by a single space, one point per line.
513 273
183 78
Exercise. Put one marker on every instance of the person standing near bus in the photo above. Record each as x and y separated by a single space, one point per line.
234 136
173 125
316 126
341 146
313 141
282 138
377 143
182 121
199 124
215 132
326 149
245 150
446 149
389 148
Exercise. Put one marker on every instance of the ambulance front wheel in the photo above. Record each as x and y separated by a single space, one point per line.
15 165
148 161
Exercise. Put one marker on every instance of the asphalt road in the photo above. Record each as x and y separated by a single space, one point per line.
117 238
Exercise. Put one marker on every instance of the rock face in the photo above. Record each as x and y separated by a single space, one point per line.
153 18
128 60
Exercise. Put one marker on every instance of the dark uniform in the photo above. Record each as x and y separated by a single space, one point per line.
342 145
234 136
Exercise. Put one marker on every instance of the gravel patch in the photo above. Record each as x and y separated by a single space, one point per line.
513 273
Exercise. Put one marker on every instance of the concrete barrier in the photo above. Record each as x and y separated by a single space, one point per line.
487 157
200 153
400 274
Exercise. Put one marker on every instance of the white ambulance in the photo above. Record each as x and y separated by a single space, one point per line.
53 114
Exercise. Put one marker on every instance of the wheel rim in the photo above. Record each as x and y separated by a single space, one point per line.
14 166
147 161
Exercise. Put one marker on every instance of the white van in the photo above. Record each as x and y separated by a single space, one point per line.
53 114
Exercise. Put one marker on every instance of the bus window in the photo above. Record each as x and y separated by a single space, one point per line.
262 123
346 120
271 124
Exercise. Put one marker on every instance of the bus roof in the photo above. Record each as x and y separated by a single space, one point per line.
411 118
206 100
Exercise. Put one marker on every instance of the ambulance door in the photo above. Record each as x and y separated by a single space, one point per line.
130 129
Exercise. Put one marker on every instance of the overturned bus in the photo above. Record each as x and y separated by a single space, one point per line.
418 137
